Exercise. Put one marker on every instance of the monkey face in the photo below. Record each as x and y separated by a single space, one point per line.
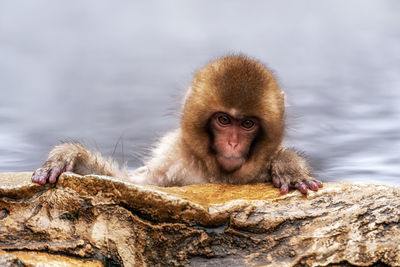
244 85
232 139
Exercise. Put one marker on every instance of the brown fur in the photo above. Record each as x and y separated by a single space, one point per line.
246 85
186 156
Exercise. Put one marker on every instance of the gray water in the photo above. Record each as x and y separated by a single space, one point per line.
111 75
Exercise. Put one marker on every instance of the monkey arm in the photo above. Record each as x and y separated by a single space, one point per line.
289 169
169 164
74 157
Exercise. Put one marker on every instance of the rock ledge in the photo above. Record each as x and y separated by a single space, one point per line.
99 219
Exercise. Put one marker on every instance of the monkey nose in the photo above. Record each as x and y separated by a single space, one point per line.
233 144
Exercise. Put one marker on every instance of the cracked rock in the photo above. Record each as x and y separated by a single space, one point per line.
101 220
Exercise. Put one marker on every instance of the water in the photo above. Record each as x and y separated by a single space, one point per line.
111 74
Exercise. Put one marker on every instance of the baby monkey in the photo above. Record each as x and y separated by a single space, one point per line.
231 131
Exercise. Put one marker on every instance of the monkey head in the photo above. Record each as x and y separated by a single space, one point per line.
233 118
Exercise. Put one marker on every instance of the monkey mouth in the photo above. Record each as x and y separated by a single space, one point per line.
230 164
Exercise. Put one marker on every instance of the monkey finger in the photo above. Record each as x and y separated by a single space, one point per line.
276 181
54 175
302 187
69 167
40 176
43 177
312 185
34 178
319 183
284 188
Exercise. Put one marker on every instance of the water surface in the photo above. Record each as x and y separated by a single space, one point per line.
111 74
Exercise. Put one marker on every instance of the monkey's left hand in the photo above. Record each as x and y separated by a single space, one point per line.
290 170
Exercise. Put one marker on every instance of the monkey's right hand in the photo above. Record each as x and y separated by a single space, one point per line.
51 170
73 157
64 157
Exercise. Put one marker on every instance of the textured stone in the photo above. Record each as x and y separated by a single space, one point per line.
39 259
117 223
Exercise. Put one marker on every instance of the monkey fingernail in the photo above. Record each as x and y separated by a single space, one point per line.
284 188
276 182
312 185
53 176
69 168
42 180
319 183
302 188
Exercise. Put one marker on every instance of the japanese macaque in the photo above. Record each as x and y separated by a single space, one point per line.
231 131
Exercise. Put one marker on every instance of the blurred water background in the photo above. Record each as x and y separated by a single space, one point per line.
111 75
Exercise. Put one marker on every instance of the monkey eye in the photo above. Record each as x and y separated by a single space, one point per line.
224 120
247 124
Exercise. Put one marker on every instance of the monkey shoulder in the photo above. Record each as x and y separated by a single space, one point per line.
169 164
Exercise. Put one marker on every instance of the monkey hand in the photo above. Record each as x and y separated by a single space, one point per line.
74 157
51 170
290 170
62 158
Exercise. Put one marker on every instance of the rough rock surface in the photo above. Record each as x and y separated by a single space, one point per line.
95 218
32 258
